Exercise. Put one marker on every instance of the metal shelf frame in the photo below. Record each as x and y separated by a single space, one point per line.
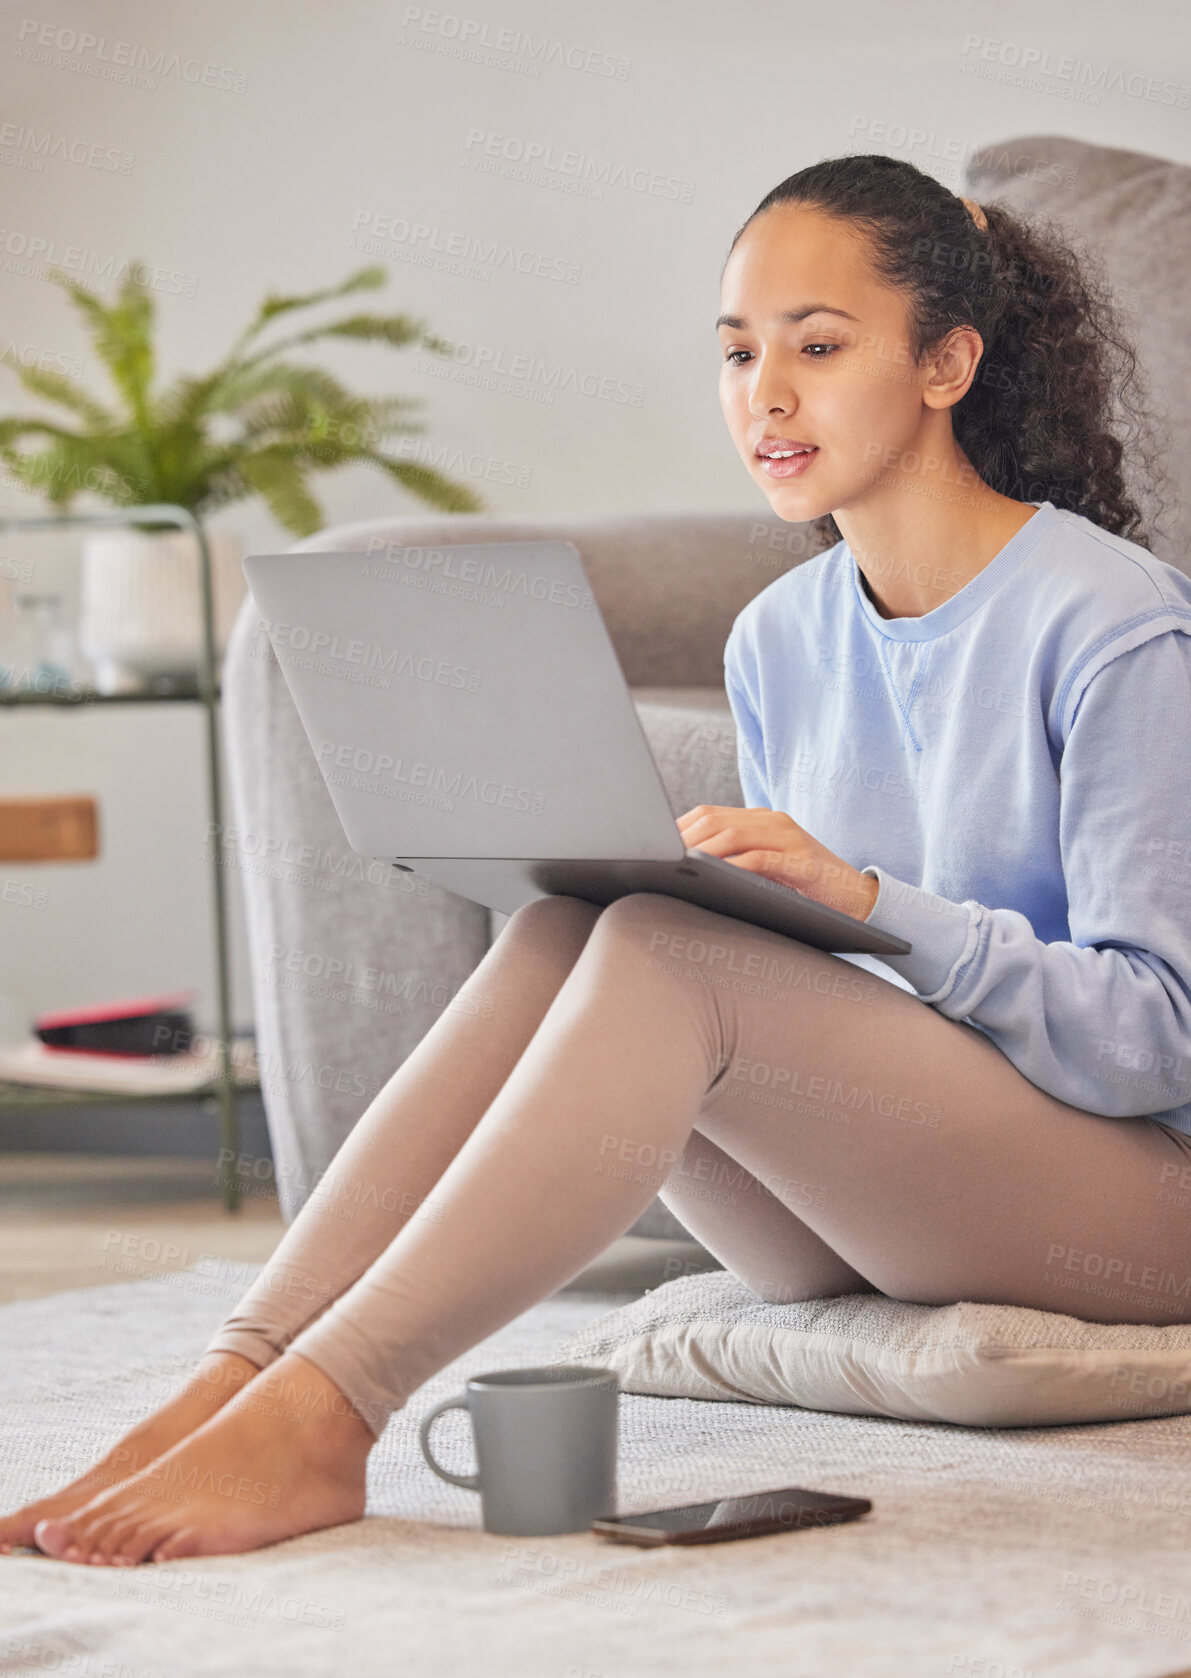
224 1088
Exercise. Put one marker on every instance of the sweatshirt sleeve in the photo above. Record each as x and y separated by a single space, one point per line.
1102 1021
750 754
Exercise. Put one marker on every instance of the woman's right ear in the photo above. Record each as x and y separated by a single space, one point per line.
955 364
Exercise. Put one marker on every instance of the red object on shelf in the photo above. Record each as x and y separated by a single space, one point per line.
133 1028
116 1010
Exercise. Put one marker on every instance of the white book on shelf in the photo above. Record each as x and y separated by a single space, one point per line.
34 1062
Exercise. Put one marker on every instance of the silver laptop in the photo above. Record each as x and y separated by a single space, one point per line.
472 723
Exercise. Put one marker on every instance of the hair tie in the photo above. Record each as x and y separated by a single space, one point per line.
976 213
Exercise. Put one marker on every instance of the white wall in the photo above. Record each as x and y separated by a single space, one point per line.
320 120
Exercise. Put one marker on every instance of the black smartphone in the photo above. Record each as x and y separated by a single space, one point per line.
733 1517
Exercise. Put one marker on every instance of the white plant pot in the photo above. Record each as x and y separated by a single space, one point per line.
140 606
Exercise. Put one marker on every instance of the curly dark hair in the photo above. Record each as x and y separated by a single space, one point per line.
1058 396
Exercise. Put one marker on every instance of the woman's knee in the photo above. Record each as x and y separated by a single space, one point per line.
553 917
651 908
635 936
652 921
541 939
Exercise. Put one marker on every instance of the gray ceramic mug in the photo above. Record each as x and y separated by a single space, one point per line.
545 1442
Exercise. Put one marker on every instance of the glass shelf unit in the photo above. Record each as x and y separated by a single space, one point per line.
205 692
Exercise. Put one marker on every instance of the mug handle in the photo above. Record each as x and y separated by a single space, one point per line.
471 1481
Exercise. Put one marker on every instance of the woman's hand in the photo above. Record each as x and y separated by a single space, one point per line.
771 843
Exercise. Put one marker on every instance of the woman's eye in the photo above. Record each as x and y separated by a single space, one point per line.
730 360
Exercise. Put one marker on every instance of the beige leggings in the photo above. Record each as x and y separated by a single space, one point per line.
820 1129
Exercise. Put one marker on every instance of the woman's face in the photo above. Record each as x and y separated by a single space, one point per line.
839 379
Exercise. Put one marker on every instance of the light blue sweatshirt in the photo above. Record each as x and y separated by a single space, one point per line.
1012 768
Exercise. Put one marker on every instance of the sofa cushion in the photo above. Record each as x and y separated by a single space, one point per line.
710 1336
1131 214
692 736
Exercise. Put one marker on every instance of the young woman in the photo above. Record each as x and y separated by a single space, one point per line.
956 723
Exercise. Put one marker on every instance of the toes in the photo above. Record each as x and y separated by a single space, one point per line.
181 1543
90 1524
84 1537
114 1536
73 1537
139 1540
136 1537
57 1539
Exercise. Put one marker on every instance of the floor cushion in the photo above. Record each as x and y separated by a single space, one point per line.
710 1336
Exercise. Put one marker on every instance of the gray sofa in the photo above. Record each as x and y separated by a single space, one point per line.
669 587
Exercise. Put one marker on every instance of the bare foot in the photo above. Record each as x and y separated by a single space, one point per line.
218 1376
286 1455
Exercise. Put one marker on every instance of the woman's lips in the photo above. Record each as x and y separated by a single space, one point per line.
791 468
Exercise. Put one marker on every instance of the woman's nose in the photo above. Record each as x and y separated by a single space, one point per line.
771 392
774 407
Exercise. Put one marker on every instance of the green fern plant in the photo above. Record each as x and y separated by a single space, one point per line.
254 425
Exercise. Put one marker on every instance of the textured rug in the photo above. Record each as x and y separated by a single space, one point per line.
988 1554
